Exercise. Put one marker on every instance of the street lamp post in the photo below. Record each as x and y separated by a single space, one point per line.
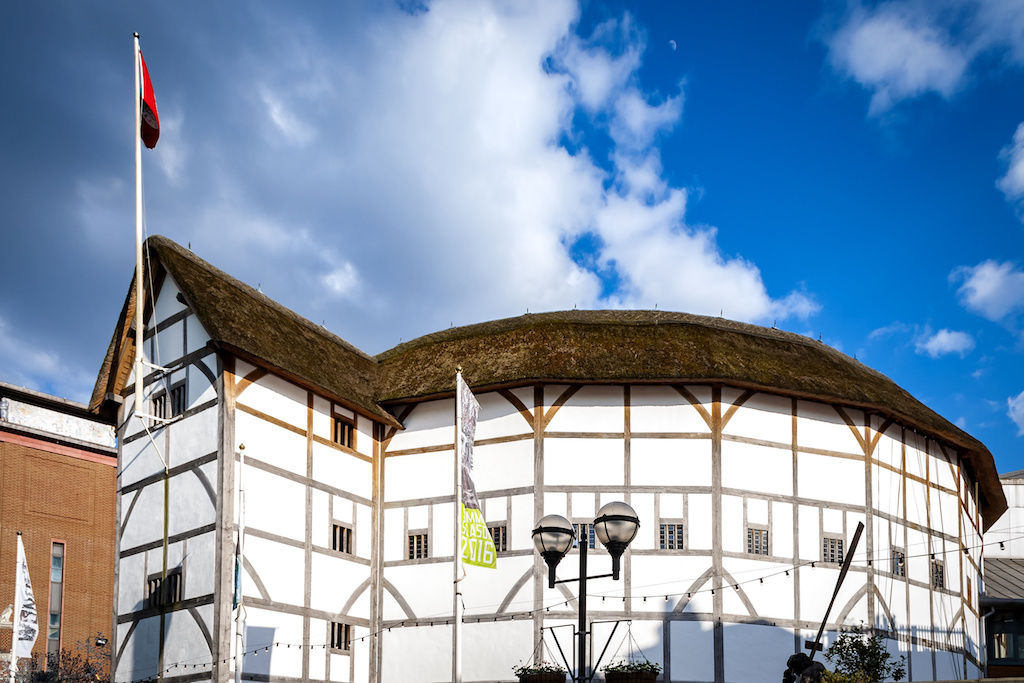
615 526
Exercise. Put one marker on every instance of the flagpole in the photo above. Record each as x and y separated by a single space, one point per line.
457 564
240 614
139 303
14 618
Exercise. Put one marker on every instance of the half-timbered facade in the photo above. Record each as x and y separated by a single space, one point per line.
749 454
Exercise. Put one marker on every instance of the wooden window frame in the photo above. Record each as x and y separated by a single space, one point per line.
898 560
49 602
161 399
503 534
335 525
339 636
339 419
680 538
171 407
840 540
749 540
160 597
937 579
410 549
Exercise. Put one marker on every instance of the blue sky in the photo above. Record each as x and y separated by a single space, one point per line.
842 169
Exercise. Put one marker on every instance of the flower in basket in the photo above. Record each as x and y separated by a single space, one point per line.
540 667
632 665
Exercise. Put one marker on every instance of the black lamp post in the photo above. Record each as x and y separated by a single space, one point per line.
615 526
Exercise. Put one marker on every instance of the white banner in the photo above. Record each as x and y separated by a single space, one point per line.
26 625
475 538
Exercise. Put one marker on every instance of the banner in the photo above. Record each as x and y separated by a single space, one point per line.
477 544
26 626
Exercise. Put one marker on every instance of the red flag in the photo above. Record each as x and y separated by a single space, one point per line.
150 128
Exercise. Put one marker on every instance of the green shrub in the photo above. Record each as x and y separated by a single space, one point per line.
863 658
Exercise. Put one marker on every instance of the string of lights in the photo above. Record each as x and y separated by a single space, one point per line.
440 619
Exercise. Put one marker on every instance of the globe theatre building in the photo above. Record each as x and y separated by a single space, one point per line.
749 454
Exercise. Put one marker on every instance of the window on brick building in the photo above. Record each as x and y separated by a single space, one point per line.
56 598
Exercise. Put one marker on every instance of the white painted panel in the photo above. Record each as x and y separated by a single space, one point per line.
522 519
762 416
916 459
334 581
583 461
782 529
887 490
193 437
321 519
199 565
503 465
263 627
698 522
840 480
340 668
364 435
184 639
279 566
485 589
556 503
409 581
442 542
319 631
816 586
495 648
363 535
343 471
139 658
820 426
663 410
418 516
433 660
832 521
139 459
190 505
647 536
421 475
757 468
583 505
889 449
591 409
734 536
278 397
146 521
286 517
394 541
748 648
169 343
692 650
131 583
431 423
921 664
167 303
322 422
270 444
498 417
199 388
197 336
810 548
670 462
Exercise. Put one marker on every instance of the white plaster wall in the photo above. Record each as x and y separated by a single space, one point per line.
341 470
757 468
663 410
503 465
753 652
577 462
591 409
278 397
670 462
419 475
498 417
429 424
189 503
432 662
191 437
139 656
286 516
692 651
766 417
269 443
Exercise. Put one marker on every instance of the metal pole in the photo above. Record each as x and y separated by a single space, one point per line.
239 559
457 563
139 301
581 665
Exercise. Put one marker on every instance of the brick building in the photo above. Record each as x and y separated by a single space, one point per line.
58 464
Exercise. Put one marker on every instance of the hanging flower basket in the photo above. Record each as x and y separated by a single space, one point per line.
630 676
632 672
542 677
542 672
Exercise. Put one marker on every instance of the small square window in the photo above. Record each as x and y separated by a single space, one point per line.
341 636
158 405
179 399
670 536
938 574
343 431
585 530
419 546
899 562
499 532
832 549
341 538
757 541
164 591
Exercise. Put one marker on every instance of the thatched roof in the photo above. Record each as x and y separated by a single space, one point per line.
569 346
251 325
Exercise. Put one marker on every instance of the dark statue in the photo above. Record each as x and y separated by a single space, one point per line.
800 669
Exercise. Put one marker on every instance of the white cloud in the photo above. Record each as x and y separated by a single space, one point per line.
1012 183
1015 411
889 330
896 54
173 149
991 289
342 281
417 160
945 342
31 364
